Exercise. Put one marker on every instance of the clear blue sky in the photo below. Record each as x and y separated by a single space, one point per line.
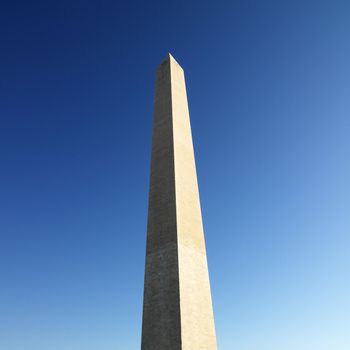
268 85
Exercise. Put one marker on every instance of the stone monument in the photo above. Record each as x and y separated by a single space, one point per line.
177 308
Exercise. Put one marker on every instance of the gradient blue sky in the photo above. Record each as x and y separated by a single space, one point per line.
269 96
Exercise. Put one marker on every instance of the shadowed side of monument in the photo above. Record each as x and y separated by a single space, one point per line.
177 311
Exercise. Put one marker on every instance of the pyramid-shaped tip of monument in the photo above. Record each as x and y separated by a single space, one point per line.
167 58
170 57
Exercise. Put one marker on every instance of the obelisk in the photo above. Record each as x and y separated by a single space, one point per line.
177 309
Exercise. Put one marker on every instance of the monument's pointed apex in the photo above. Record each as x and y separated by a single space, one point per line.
168 57
171 58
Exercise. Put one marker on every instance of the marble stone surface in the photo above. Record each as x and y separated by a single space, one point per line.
177 310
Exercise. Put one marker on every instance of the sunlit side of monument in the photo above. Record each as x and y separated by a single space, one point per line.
177 309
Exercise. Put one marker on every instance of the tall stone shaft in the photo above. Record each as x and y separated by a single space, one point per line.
177 310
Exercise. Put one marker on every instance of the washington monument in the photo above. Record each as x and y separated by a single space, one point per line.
177 306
